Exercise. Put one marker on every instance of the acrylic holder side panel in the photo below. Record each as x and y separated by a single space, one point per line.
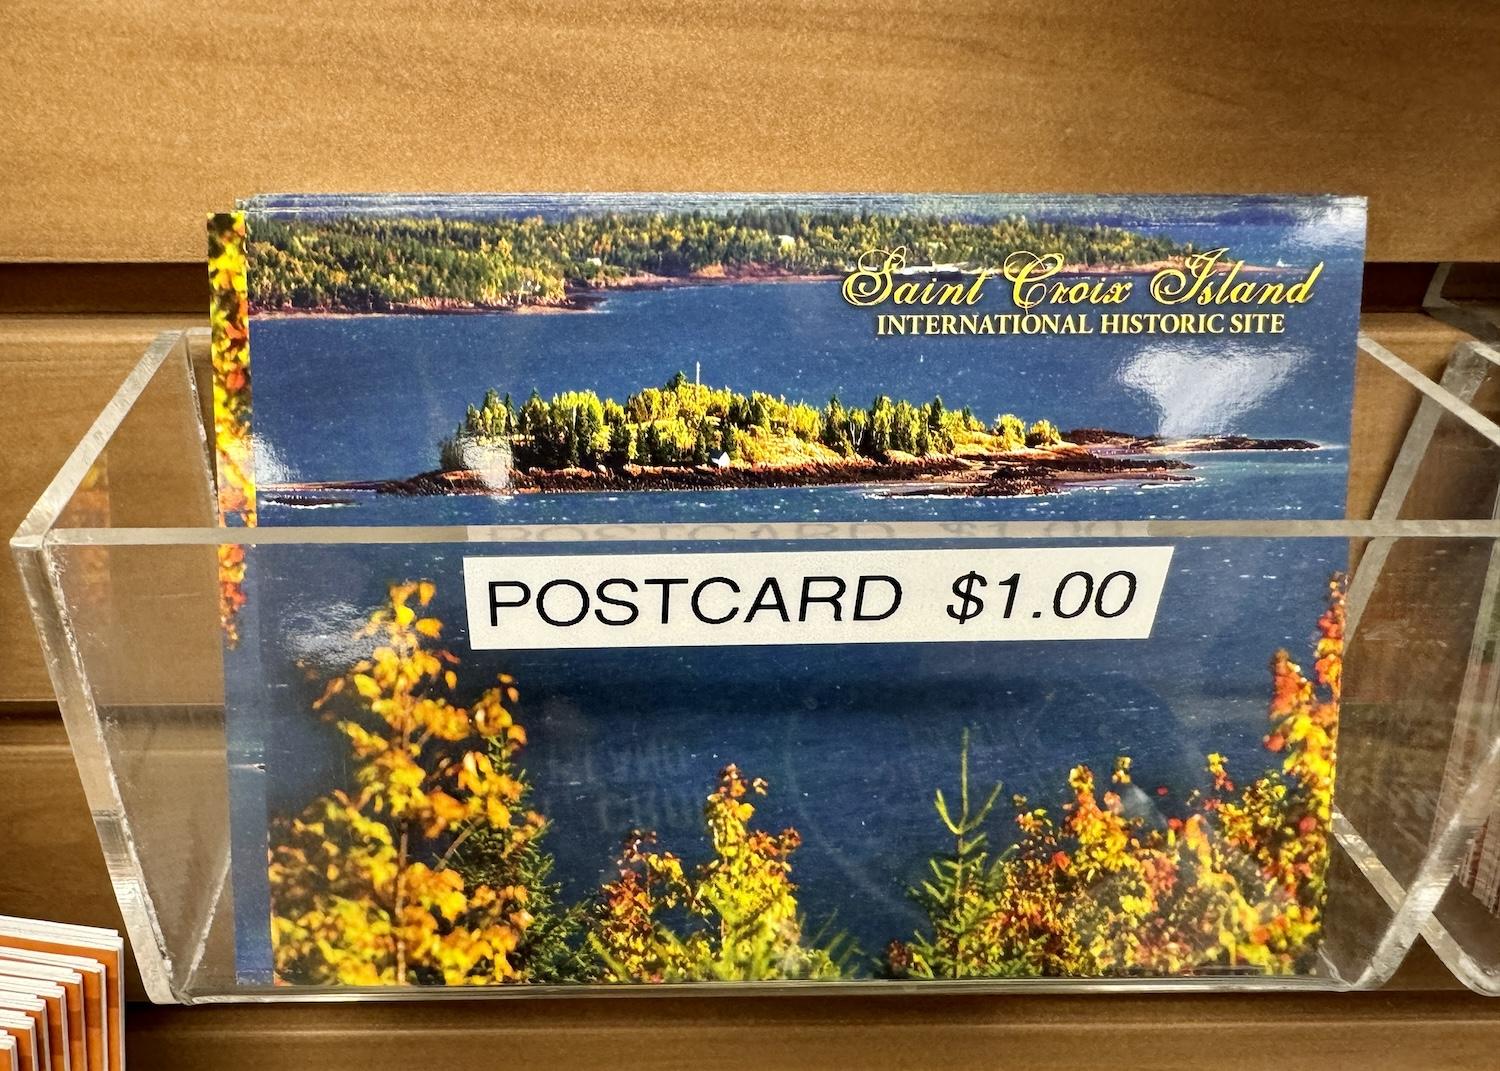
131 639
1421 775
121 560
1465 929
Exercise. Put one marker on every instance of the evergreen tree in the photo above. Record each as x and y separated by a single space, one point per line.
935 412
702 442
859 425
960 897
905 420
571 446
622 444
882 422
533 416
649 445
553 947
760 411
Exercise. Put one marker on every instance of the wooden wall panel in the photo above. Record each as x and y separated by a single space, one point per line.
56 374
51 865
121 123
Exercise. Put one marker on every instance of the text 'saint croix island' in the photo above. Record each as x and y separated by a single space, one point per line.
1208 293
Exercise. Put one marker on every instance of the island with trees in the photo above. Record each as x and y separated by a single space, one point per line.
685 436
375 263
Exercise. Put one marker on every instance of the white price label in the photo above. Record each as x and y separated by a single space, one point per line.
856 596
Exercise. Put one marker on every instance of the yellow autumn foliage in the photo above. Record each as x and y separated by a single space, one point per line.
363 890
732 918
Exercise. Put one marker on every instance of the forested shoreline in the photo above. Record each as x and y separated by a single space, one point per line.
383 264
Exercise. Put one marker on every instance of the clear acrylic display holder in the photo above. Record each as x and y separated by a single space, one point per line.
1465 928
119 560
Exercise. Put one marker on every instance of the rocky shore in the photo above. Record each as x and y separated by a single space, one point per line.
639 478
1049 474
1102 438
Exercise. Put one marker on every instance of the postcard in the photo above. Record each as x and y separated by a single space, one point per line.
718 687
35 1010
514 360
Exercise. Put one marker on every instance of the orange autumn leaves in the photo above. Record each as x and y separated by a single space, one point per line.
369 883
1236 883
402 685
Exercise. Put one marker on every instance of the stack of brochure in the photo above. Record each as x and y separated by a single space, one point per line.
62 997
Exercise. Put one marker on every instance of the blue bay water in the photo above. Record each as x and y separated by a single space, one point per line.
402 382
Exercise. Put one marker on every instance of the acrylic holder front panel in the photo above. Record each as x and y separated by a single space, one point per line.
122 560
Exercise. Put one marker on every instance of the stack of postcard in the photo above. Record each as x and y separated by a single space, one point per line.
773 609
62 998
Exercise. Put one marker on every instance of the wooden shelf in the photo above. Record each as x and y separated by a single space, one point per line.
1388 1031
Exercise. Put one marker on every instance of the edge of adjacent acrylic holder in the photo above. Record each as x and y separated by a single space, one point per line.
1462 804
1482 802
